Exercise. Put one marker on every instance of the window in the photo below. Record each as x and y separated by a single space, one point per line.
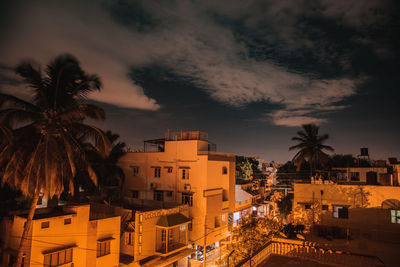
355 176
223 217
169 193
395 216
187 199
103 248
135 171
67 221
58 258
217 221
169 169
45 224
40 199
157 172
325 207
224 170
135 194
185 174
158 195
129 238
340 212
182 227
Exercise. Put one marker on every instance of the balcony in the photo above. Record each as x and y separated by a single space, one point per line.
171 234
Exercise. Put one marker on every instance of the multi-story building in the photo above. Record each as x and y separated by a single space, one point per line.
369 175
185 168
71 235
371 211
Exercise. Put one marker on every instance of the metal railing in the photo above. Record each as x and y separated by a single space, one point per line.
309 251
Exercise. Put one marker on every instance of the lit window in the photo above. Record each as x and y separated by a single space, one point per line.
58 258
223 217
103 248
182 227
157 172
67 221
224 170
325 207
135 171
395 216
340 212
45 224
187 199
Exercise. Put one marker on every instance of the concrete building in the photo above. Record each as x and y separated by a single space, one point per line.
366 175
371 211
185 168
74 234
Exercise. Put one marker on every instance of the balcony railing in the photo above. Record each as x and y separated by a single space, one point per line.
172 247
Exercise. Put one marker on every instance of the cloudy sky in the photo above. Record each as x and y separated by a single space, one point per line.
247 72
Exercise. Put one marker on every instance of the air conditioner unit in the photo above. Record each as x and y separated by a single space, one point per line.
186 187
153 185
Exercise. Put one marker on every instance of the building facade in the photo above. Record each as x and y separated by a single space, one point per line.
72 235
185 168
371 211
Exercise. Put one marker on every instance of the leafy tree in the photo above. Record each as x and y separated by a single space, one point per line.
45 149
310 147
250 236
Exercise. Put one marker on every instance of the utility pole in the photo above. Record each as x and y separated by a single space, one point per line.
205 242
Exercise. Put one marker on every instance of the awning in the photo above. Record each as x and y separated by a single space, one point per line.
172 220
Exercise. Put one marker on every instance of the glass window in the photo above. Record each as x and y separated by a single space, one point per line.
135 171
185 174
45 224
135 194
67 221
340 212
103 248
224 170
355 176
158 195
157 172
187 199
395 216
169 169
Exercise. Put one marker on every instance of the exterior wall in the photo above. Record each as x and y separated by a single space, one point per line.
363 172
145 230
365 213
81 234
206 175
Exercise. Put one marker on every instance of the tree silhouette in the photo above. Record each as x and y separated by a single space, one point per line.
45 147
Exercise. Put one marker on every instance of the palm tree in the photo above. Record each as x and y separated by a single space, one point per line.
310 147
109 174
45 148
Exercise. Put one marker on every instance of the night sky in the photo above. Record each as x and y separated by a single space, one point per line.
247 72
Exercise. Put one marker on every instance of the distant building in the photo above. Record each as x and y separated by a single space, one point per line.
364 210
72 235
365 175
185 168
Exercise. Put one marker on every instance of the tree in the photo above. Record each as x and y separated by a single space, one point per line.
310 147
245 168
106 166
250 236
45 149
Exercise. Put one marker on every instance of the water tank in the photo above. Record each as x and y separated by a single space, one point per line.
364 152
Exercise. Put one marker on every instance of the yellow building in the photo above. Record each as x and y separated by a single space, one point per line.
73 235
371 211
183 168
153 236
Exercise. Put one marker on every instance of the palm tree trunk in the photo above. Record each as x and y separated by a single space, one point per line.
27 227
